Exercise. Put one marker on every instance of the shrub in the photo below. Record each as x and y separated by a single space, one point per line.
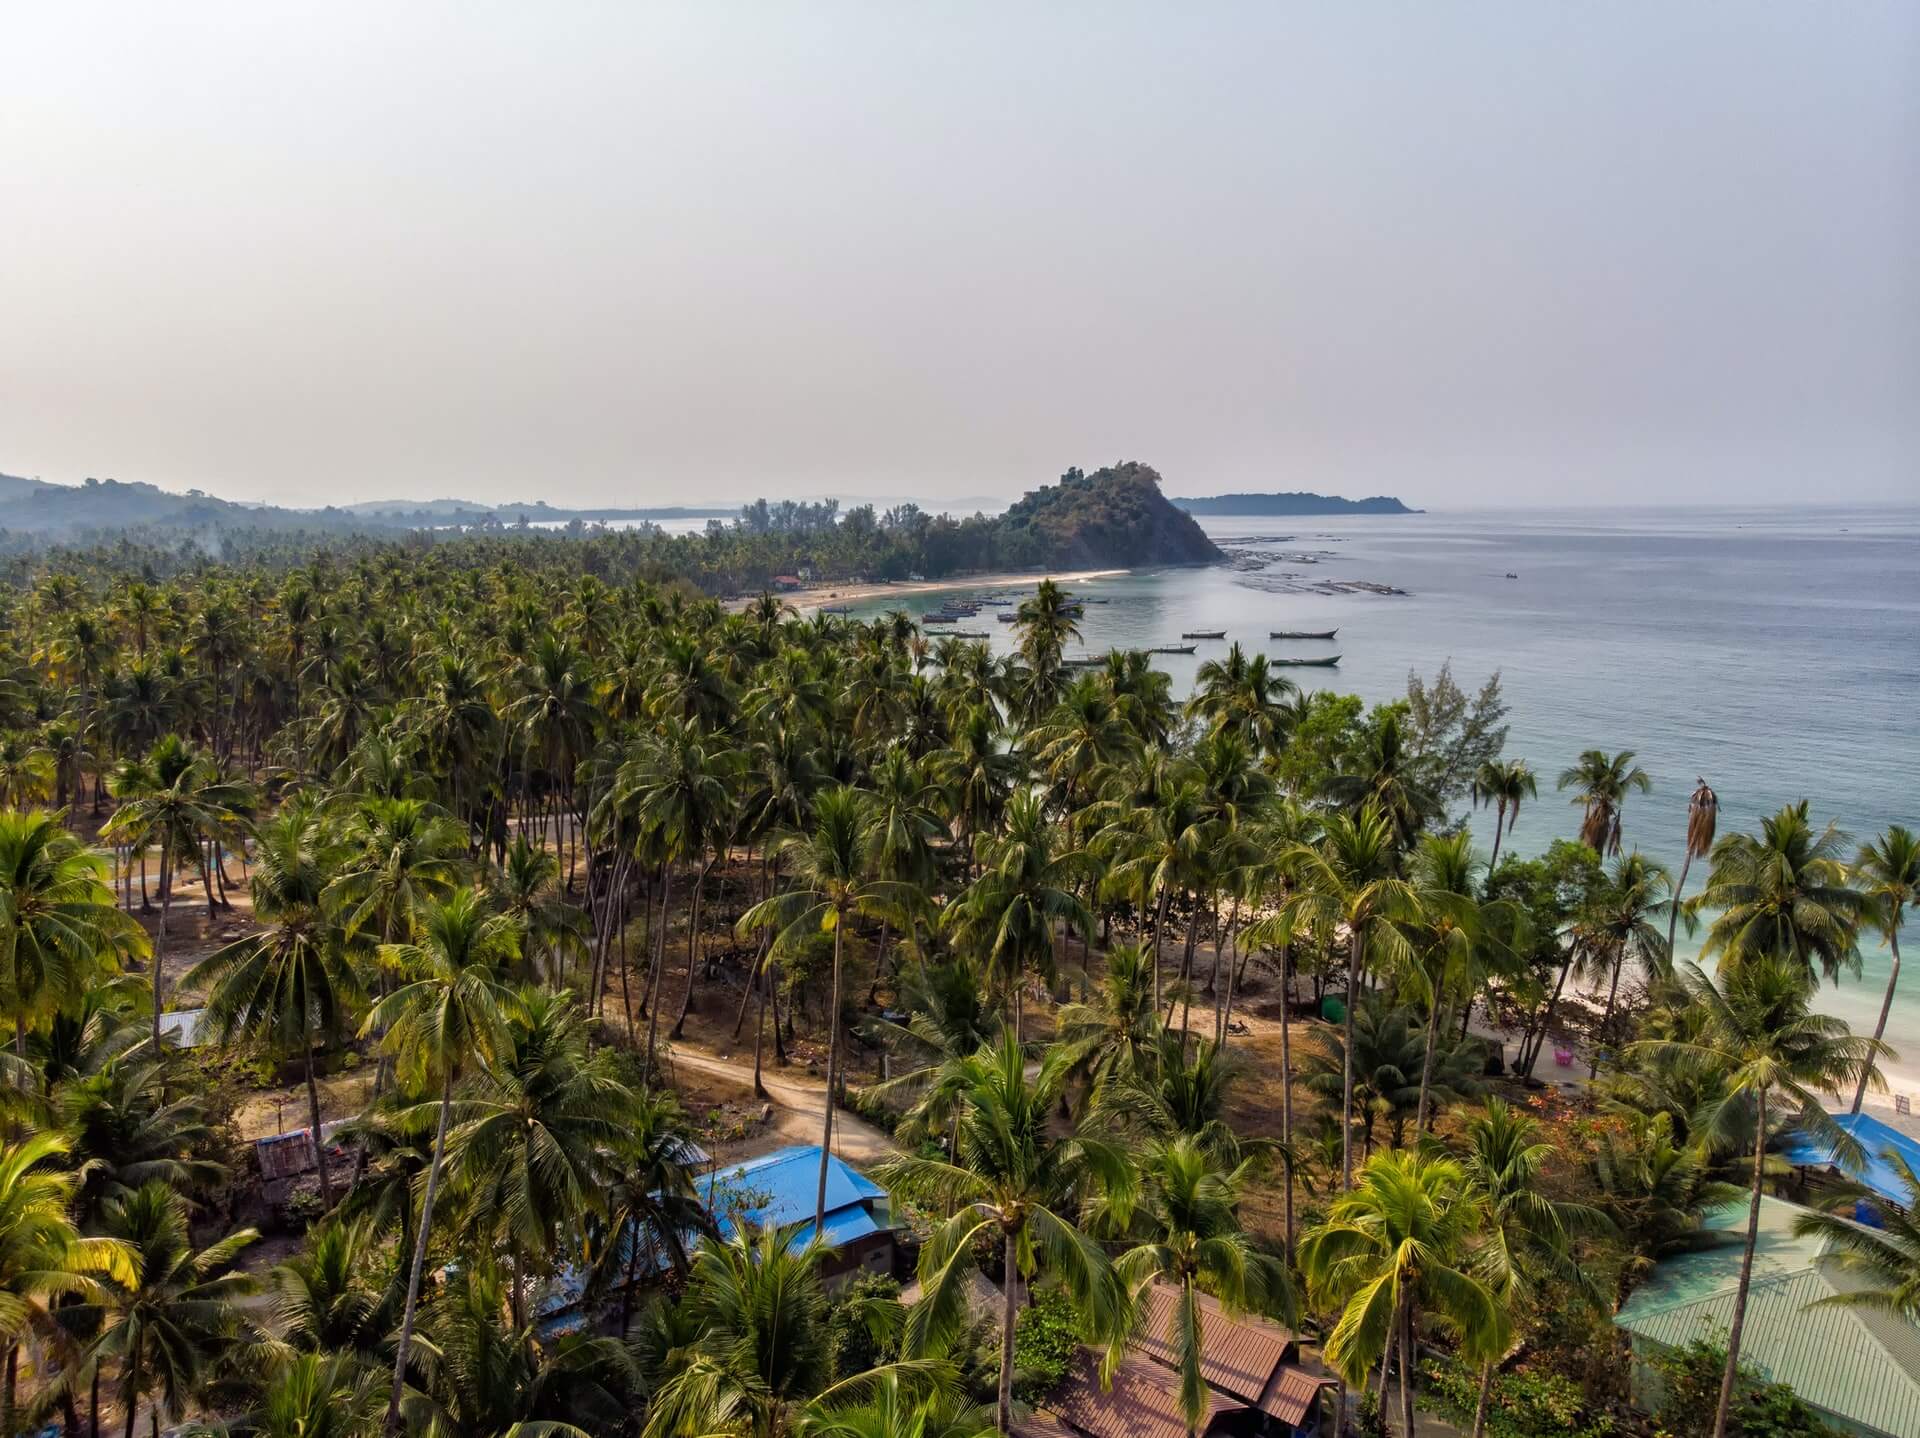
1045 1337
851 1334
1521 1405
1690 1380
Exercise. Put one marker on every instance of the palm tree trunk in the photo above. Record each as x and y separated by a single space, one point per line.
1546 1019
1426 1064
1286 1085
419 1256
1008 1313
132 1389
1606 1022
1354 950
1480 1405
1159 923
313 1113
1499 819
693 930
1409 1364
765 975
12 1387
833 1062
1673 917
653 979
1739 1321
1886 1005
160 937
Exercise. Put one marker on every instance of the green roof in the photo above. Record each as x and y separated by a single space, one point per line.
1855 1364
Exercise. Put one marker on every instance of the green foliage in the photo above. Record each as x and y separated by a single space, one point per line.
851 1340
1690 1394
1045 1338
1520 1405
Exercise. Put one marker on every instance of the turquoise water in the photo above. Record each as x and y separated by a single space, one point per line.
1774 651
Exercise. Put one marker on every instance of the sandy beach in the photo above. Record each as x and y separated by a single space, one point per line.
812 598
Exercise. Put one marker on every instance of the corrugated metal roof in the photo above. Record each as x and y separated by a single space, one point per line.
778 1188
1861 1366
841 1228
1237 1355
1292 1394
1039 1424
1877 1139
1141 1403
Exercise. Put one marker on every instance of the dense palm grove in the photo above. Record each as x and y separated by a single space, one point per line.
1188 993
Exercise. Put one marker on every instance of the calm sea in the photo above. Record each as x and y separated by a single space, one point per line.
1774 651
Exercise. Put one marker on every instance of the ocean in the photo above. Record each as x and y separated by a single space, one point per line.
1774 651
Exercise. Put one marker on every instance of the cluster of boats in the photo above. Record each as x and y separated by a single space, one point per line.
1293 661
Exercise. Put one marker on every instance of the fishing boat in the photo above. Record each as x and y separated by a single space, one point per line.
1301 633
1172 649
1205 634
1085 661
1008 618
1327 663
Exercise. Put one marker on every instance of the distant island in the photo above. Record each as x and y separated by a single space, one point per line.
461 511
1294 502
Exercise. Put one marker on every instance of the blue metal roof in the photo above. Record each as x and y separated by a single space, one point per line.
779 1188
1876 1138
841 1228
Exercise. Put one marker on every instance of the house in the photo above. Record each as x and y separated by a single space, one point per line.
182 1027
786 581
1256 1386
779 1189
1858 1367
286 1158
1878 1139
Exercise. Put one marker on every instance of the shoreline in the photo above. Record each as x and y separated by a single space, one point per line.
805 601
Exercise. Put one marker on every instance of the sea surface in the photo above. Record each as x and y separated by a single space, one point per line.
1776 652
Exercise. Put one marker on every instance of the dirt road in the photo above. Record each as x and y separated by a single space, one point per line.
799 1107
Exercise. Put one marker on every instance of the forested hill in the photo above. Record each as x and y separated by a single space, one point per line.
1294 502
1114 516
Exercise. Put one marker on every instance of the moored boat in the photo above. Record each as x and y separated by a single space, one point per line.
1327 663
1301 633
1204 634
1171 649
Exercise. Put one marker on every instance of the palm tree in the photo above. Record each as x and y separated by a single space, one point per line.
338 1294
1757 1025
1615 925
1026 889
534 1131
291 986
1503 783
1527 1234
1784 893
59 926
894 1412
312 1395
1243 697
1703 816
1888 872
451 1010
947 1019
1393 1249
1882 1255
166 1331
831 870
1601 782
652 1197
1187 1219
1381 774
1044 624
1159 848
1348 882
1014 1179
26 770
1113 1037
42 1255
526 889
185 802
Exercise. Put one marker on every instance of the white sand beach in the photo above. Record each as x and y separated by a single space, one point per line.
819 595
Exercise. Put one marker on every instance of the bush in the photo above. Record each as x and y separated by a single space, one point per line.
850 1333
1046 1335
1521 1405
1690 1380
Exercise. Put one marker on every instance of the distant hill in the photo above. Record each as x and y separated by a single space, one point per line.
1296 502
448 511
12 487
1114 516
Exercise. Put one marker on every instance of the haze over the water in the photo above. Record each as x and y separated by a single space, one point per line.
1495 253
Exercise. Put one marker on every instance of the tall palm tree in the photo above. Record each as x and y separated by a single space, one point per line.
1784 892
1159 847
1015 1180
1393 1249
1380 773
42 1255
652 1197
1044 624
1601 783
292 985
338 1294
1503 783
451 1010
1888 875
1244 697
1615 924
831 873
185 802
1703 817
1186 1220
1757 1025
1348 882
526 887
1113 1037
1527 1235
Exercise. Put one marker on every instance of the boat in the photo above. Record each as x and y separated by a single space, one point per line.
1085 661
1172 649
1109 601
1327 663
1205 634
836 609
1008 618
1301 633
1512 575
954 633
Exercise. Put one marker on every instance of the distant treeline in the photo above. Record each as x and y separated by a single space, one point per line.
1294 502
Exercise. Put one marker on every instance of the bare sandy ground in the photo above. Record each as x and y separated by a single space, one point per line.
808 600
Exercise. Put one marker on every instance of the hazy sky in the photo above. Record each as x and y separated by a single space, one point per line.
1470 253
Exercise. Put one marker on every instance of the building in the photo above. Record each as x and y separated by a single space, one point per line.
1858 1367
1256 1385
1881 1141
285 1159
779 1189
786 581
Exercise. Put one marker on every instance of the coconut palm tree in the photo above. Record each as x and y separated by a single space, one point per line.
652 1198
26 770
1887 873
1703 817
1013 1179
1882 1255
184 802
1615 925
310 1395
293 985
1044 624
1380 774
1186 1222
42 1255
1502 784
1348 884
893 1411
339 1294
1395 1248
831 875
1601 783
526 888
1244 697
1158 848
451 1011
947 1019
1784 893
1113 1037
1757 1024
